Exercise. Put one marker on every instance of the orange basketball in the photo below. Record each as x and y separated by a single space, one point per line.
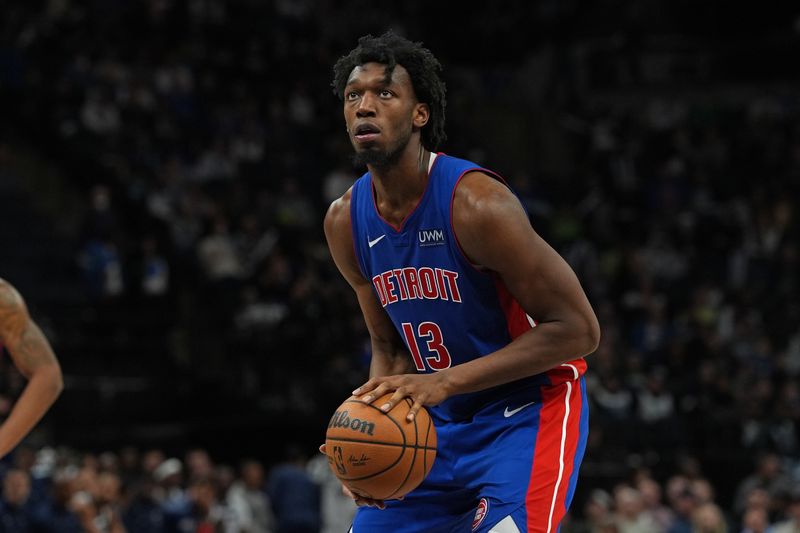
380 455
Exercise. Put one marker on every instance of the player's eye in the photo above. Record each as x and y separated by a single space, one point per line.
386 93
352 95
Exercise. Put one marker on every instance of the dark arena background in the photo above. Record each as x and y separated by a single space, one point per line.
165 167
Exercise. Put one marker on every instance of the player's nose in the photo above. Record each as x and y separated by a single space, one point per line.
366 106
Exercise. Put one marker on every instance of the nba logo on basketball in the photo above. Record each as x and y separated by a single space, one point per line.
480 514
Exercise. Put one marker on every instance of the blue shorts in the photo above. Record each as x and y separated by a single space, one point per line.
517 457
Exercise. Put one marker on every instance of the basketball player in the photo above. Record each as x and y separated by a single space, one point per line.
33 357
451 279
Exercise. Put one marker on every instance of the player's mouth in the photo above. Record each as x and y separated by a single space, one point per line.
366 132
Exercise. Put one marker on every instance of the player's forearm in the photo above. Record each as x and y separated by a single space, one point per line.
544 347
42 389
388 360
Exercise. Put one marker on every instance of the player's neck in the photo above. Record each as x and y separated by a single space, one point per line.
399 187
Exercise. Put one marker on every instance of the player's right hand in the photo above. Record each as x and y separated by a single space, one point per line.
361 501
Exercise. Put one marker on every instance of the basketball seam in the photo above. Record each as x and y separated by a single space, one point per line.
413 460
344 439
425 455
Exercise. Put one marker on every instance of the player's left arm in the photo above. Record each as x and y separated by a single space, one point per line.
495 234
33 357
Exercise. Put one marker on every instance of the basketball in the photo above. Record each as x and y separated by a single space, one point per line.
380 455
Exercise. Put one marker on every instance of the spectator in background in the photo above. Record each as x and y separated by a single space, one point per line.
169 479
95 501
756 521
143 512
99 257
337 509
200 512
792 522
15 516
248 501
58 515
631 516
659 514
154 274
683 502
708 518
217 253
599 514
199 464
295 497
769 476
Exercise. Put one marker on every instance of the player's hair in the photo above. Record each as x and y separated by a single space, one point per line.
391 50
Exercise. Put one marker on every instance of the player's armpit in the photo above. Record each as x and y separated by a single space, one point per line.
389 354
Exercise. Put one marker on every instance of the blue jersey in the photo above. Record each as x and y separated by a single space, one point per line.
447 311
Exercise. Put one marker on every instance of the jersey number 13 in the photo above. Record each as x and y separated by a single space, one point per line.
431 333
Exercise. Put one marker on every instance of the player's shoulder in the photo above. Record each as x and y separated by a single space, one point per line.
480 192
338 214
11 302
9 296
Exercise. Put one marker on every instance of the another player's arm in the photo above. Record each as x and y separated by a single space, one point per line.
389 354
33 357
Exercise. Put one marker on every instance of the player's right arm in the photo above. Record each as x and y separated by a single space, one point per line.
33 357
389 353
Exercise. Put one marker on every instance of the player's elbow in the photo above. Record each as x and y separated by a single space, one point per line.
590 333
54 378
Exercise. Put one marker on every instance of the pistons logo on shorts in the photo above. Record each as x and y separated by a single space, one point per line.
480 513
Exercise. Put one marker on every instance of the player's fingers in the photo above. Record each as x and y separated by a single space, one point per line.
366 387
412 413
322 449
398 395
379 391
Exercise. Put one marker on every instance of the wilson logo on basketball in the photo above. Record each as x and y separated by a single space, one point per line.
480 513
341 419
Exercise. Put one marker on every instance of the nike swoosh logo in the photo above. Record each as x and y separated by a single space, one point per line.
376 241
512 412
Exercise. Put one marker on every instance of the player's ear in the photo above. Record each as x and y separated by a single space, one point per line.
422 114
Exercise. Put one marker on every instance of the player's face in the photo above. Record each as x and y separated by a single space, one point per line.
380 113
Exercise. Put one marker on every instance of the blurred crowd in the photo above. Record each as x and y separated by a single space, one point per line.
131 491
64 491
208 151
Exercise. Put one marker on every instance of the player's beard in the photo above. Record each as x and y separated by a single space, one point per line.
378 158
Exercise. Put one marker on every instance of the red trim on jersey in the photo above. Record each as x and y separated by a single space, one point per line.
419 202
516 318
518 323
552 467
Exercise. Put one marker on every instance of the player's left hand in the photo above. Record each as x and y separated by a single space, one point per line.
423 389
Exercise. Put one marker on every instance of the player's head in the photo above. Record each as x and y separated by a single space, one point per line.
390 84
